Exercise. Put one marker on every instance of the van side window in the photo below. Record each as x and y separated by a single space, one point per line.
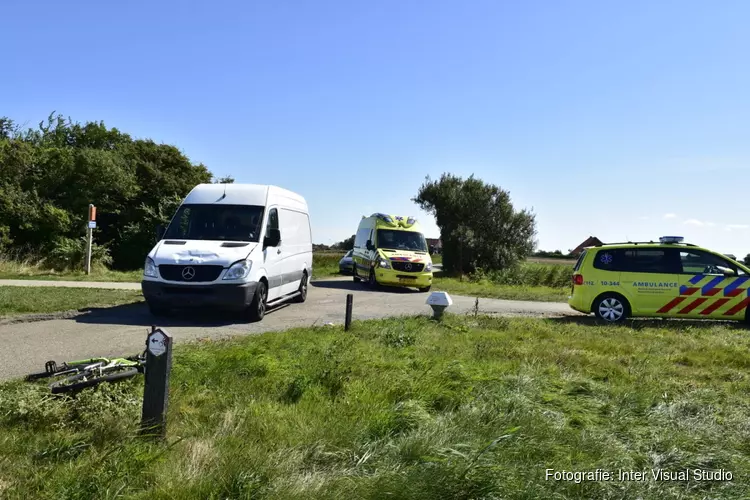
697 262
273 221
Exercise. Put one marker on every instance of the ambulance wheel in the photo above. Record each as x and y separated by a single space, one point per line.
355 276
372 281
425 289
612 308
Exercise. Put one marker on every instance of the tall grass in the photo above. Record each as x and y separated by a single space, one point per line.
326 263
528 274
473 407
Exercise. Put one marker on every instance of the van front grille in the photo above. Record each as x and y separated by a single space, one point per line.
190 274
413 267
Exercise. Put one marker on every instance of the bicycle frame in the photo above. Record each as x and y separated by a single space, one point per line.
91 364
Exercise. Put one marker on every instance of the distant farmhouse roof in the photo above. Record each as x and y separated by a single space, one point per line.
591 241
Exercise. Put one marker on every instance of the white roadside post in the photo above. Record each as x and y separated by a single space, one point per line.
89 236
439 301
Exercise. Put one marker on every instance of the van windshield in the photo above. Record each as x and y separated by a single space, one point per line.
401 240
216 222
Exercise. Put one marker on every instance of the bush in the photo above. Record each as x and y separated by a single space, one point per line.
69 255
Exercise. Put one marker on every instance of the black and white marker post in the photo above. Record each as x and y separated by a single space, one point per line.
348 317
156 391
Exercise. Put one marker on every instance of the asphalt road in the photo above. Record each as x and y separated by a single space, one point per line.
122 330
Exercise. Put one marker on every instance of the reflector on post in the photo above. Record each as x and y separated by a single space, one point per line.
92 212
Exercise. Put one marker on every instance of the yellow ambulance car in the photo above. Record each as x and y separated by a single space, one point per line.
391 250
665 279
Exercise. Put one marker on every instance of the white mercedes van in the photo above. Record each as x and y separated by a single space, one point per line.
244 247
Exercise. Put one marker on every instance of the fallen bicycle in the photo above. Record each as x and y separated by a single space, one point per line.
90 372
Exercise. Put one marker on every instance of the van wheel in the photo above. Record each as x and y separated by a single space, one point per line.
302 289
372 281
425 289
257 309
355 276
611 308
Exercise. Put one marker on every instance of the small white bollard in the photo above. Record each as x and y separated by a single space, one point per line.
439 301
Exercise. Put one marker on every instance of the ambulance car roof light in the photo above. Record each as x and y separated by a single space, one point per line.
671 239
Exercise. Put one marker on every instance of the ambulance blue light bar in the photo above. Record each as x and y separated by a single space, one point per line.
671 239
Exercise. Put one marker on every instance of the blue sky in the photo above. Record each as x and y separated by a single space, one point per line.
621 120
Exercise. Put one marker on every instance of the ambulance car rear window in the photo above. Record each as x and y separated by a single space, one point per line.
579 261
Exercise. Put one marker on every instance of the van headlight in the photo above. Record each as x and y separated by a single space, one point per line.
384 263
149 269
428 267
238 270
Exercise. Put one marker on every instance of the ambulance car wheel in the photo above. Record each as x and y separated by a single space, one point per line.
611 308
425 289
257 309
355 276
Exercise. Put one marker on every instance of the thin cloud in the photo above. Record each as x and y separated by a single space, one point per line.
670 216
644 217
693 222
731 227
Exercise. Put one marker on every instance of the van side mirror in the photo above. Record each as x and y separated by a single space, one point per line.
273 239
369 245
160 230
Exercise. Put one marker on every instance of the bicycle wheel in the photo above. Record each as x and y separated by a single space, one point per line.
81 381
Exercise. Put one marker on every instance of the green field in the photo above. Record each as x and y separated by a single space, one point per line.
475 407
529 281
29 300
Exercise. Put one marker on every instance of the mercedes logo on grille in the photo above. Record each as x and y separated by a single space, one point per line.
408 266
188 273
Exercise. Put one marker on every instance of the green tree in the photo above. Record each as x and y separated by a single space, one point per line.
746 260
346 244
478 225
49 175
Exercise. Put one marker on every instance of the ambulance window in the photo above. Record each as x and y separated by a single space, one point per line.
361 238
651 260
609 260
697 262
579 261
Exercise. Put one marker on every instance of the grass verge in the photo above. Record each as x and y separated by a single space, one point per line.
474 407
324 265
29 300
495 291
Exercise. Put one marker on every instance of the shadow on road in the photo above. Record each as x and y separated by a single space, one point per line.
139 315
641 323
359 287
